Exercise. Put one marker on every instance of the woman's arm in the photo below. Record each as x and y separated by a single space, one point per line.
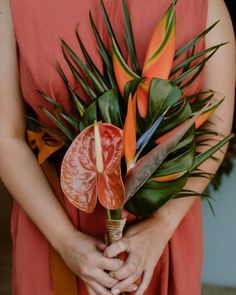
26 182
154 233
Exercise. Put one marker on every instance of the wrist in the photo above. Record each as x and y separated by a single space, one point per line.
164 222
61 239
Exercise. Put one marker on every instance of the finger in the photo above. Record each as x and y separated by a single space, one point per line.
91 291
101 247
131 288
129 267
104 279
125 284
116 248
147 277
111 264
99 289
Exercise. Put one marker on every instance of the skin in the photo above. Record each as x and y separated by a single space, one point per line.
86 256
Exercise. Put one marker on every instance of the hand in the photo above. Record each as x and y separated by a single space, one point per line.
144 242
83 255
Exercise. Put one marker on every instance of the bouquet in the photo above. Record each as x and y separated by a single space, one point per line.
134 145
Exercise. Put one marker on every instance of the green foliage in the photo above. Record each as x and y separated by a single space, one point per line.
106 104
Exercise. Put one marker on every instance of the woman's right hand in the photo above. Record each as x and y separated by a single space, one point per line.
83 254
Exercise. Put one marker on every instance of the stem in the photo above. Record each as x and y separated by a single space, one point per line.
108 214
116 214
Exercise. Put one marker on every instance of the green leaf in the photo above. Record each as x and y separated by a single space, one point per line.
130 39
199 159
175 118
131 87
90 62
89 116
73 123
108 23
103 52
186 140
66 115
193 70
59 123
109 107
163 94
190 59
78 102
149 198
92 95
181 162
194 41
96 83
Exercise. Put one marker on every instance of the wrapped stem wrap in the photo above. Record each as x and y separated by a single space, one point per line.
114 230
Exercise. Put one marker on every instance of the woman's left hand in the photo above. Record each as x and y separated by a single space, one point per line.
144 242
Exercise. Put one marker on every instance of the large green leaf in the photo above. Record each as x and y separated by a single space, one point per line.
186 140
179 163
109 107
151 197
162 95
89 116
175 118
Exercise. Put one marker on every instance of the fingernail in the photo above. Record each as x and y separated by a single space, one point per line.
111 275
115 292
135 288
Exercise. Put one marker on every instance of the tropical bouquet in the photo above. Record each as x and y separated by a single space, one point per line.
134 145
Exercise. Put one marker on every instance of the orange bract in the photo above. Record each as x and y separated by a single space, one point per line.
80 180
130 131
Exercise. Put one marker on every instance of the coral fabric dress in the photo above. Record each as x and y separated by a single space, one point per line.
39 25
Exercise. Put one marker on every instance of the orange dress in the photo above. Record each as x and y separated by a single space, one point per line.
39 25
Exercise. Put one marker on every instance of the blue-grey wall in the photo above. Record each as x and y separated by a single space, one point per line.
220 235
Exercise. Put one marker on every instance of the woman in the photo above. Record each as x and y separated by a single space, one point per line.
164 249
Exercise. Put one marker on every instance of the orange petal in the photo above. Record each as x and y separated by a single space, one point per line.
122 71
161 49
142 98
129 137
204 117
169 177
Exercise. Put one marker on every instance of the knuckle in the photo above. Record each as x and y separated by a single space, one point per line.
86 271
131 267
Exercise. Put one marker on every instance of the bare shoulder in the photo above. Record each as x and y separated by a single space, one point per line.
220 69
12 121
217 10
6 26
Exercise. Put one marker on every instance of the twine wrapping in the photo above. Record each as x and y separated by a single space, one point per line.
114 230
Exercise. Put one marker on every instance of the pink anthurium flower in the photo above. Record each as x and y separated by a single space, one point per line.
91 168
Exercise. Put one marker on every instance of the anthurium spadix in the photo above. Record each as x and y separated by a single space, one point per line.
91 168
129 137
